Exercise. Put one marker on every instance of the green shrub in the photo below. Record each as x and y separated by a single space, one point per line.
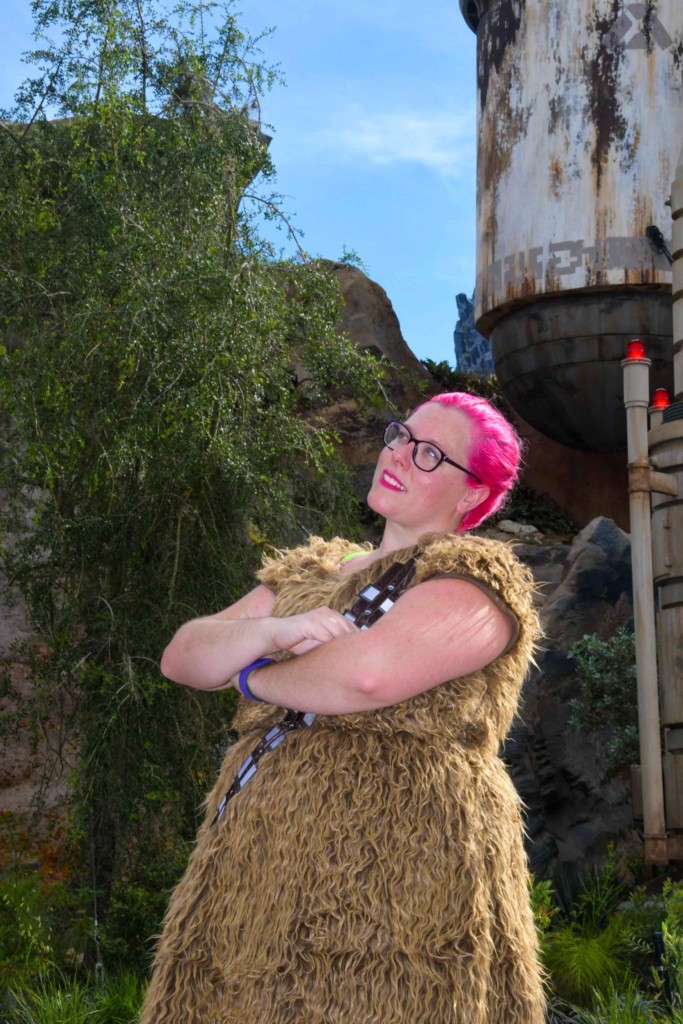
672 934
27 943
581 962
118 1001
585 949
135 912
597 944
457 380
43 930
606 674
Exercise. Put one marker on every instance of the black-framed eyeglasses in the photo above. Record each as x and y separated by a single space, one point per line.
426 456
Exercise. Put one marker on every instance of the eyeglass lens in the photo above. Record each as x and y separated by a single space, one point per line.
426 456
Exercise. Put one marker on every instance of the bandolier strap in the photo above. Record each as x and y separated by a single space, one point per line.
372 602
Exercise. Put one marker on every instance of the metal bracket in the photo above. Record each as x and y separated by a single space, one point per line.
663 849
656 850
641 477
663 483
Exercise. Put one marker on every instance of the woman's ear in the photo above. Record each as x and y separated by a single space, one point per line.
472 497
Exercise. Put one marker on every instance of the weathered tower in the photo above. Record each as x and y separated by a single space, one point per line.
580 121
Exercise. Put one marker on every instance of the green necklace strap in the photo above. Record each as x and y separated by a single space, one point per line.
354 554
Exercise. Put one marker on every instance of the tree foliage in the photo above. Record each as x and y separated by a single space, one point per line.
156 431
606 674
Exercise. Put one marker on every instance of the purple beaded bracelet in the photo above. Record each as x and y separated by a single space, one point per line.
244 675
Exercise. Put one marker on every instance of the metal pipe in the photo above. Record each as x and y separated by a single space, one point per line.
636 400
677 247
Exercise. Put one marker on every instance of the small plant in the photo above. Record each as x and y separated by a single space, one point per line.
626 1005
27 941
64 1002
672 935
585 948
70 1001
606 673
541 893
582 963
559 1012
118 1001
642 914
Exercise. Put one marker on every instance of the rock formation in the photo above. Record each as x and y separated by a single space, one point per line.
472 349
369 319
573 809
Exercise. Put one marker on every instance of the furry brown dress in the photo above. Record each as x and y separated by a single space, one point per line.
372 872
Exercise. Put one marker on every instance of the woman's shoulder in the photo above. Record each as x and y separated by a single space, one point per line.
482 559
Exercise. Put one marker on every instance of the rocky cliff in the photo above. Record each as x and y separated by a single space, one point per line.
472 349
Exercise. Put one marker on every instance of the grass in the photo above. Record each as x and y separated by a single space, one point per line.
63 1000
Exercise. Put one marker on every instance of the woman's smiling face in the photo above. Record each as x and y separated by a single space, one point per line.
422 502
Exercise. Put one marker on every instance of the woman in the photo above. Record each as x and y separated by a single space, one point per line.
371 871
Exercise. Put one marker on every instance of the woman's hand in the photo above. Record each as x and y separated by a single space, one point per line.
301 633
208 653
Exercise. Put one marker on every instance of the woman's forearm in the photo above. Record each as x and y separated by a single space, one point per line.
206 652
331 679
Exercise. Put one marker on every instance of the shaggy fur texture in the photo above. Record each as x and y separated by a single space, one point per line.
372 872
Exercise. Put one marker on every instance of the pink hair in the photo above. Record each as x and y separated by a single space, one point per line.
495 452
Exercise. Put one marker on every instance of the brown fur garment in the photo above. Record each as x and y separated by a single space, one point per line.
372 872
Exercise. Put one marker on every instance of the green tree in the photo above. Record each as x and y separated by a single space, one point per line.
158 426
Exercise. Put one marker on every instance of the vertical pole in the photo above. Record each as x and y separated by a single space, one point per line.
636 399
677 247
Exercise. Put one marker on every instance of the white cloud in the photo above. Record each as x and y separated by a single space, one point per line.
443 142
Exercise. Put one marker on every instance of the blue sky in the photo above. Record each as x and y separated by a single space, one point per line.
373 141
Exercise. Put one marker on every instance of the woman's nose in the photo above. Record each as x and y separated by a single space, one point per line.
402 455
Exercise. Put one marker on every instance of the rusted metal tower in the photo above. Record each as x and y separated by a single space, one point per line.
580 116
580 126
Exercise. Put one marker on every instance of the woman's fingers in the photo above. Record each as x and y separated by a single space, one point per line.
299 633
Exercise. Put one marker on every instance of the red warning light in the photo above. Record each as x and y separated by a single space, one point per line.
660 399
635 350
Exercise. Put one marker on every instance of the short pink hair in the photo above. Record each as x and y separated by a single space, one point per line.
495 452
